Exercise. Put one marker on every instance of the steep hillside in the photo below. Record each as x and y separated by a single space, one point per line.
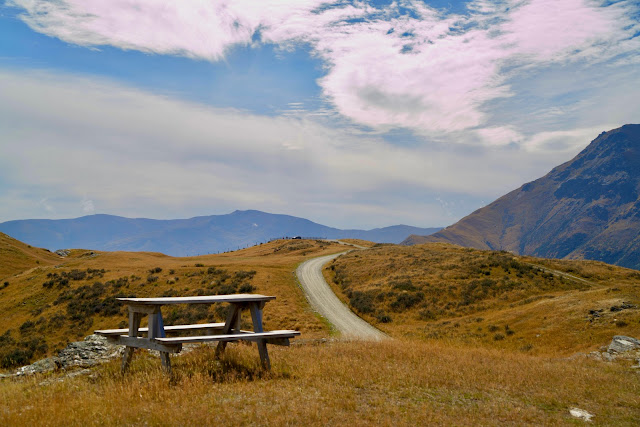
490 298
586 208
186 237
16 257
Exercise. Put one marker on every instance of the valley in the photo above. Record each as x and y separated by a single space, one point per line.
475 336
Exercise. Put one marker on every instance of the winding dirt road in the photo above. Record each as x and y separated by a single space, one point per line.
325 302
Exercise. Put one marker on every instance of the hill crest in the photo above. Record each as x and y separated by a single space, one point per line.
186 237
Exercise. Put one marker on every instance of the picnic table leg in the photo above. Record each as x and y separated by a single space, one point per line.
156 330
256 317
134 325
232 322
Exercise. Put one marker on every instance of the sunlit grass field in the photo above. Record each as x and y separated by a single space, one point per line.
443 366
397 382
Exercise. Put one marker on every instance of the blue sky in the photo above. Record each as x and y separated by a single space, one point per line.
352 114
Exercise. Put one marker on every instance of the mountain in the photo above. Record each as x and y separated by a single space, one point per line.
183 237
586 208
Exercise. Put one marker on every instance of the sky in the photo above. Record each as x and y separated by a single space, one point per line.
353 114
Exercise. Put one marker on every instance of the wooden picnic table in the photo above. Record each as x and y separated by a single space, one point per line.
229 331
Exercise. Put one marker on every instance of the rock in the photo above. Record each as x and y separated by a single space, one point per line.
63 252
45 365
624 306
621 344
580 413
93 350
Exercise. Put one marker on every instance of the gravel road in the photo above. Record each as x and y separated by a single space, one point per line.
325 302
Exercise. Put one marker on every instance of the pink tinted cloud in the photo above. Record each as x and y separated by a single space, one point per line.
193 28
549 29
427 71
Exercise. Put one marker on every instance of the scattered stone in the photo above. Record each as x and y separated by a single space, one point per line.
93 350
63 252
45 365
581 413
621 344
624 306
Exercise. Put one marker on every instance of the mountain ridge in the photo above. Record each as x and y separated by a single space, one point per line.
182 237
588 207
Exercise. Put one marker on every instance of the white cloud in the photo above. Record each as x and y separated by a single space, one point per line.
568 141
139 154
88 206
425 71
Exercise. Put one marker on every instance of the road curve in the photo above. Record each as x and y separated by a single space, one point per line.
325 302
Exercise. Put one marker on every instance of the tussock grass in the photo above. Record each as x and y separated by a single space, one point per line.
490 298
399 382
47 306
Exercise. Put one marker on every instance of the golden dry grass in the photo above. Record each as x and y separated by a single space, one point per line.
16 257
392 383
491 298
26 300
445 371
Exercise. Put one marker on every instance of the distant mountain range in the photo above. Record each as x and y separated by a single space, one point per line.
185 237
586 208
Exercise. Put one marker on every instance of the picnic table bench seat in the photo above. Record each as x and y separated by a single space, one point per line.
174 328
271 337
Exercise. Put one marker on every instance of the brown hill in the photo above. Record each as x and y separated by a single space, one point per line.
16 257
489 298
586 208
55 300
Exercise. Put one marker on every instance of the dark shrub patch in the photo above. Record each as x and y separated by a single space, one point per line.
406 300
362 301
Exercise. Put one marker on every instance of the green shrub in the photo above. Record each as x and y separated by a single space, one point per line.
406 300
362 301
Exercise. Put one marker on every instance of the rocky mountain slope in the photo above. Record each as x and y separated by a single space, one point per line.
586 208
186 237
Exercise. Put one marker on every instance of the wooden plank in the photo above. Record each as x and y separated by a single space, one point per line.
232 323
166 361
205 299
134 325
243 336
178 328
143 308
256 317
134 342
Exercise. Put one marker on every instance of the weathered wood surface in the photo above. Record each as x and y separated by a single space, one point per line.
178 328
136 342
207 299
221 332
242 336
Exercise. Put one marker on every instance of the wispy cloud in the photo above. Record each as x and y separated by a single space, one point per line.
139 154
409 66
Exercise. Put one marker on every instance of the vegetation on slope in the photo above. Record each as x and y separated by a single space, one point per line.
493 298
391 383
16 257
587 208
46 307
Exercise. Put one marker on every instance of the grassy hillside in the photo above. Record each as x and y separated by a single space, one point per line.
16 257
445 306
47 306
489 298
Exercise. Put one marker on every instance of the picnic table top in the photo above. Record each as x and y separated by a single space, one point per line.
204 299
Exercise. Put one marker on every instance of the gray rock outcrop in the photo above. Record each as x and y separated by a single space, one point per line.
94 350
